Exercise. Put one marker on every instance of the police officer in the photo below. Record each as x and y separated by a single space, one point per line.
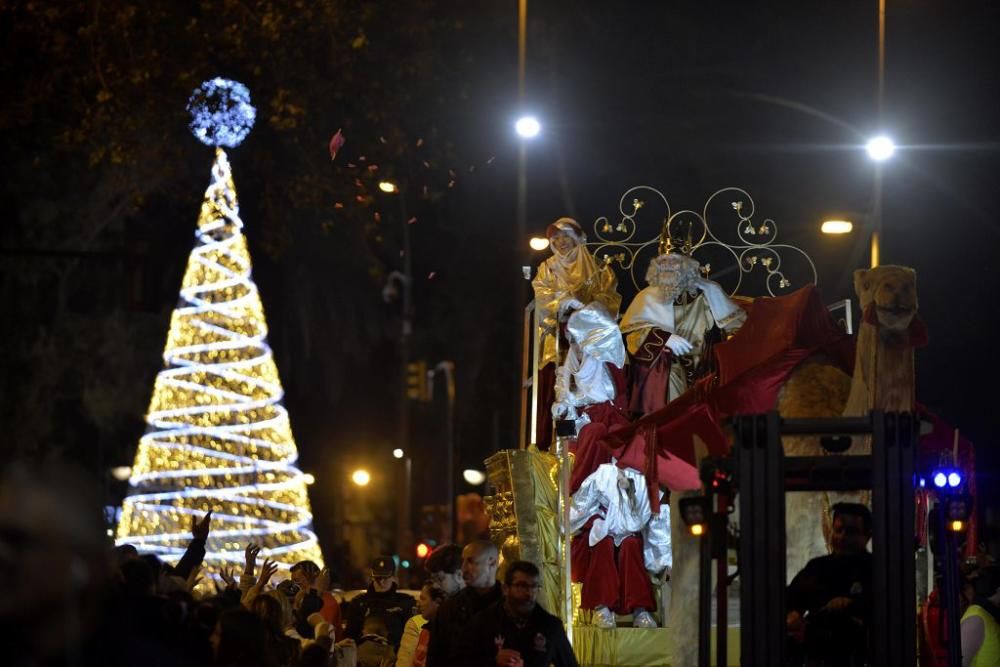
381 599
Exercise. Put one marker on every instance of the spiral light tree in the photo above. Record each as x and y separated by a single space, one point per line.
217 436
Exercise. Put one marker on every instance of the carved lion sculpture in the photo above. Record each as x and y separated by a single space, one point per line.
883 378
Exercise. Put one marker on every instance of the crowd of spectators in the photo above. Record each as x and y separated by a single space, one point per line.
70 598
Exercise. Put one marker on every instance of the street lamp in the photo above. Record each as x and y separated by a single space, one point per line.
538 243
397 453
361 477
868 224
880 148
837 227
474 477
527 127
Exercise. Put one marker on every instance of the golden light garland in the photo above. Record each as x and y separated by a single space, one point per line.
217 435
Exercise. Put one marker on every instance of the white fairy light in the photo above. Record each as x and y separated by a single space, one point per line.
217 435
221 113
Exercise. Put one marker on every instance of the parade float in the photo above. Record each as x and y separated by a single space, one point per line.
636 446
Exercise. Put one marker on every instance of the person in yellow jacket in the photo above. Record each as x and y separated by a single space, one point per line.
981 622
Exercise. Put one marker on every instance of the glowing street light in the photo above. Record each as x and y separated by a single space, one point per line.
361 477
474 477
538 243
388 187
880 148
527 127
397 453
837 227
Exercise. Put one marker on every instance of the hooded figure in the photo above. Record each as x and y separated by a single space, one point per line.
567 281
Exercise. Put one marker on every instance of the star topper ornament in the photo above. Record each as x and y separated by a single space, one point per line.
221 113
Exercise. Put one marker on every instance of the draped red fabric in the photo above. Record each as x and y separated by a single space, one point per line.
587 449
778 335
614 577
776 325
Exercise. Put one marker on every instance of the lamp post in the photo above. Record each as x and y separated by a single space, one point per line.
845 224
448 369
404 279
879 149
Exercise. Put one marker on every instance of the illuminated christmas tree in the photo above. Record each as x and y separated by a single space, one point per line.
217 435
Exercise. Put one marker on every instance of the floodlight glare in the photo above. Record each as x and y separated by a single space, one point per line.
880 148
527 127
397 453
940 479
837 227
954 479
538 243
474 477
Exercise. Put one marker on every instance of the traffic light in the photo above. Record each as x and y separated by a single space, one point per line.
416 381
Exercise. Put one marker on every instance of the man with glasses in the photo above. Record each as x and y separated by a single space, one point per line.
381 599
517 632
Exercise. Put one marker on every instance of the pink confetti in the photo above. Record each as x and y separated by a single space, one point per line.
411 221
430 276
336 143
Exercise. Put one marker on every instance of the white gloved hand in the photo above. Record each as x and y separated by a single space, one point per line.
679 345
568 306
563 410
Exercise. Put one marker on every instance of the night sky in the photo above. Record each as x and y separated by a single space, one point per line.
775 98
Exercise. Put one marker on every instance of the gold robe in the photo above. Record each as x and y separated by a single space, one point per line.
575 275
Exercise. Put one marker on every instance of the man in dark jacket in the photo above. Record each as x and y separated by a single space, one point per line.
830 600
517 632
479 569
381 599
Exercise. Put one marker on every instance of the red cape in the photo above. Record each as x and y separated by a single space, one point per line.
779 333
